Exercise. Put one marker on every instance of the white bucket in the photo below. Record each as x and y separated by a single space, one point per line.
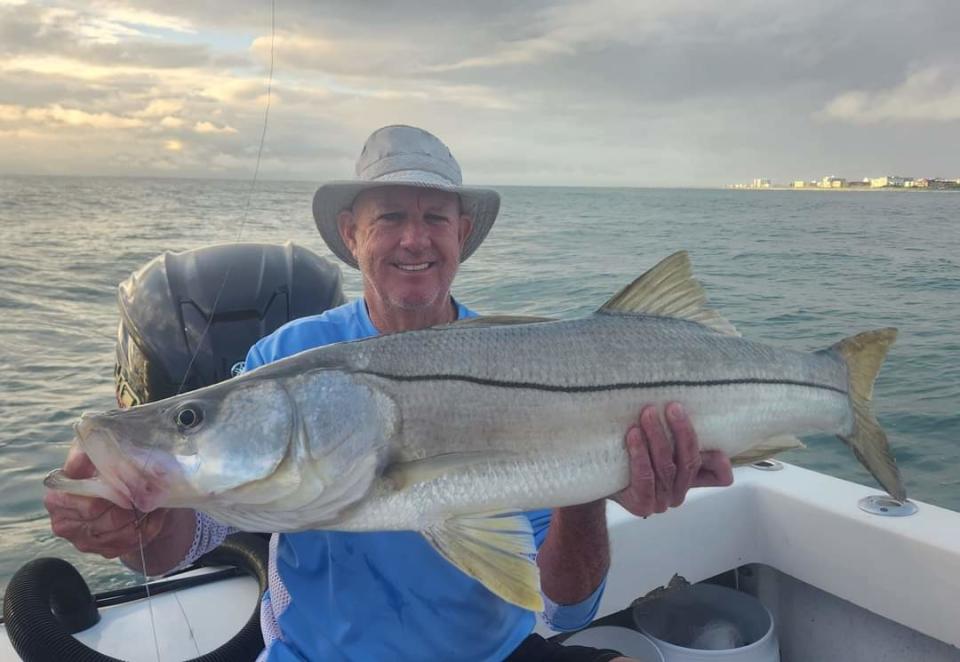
711 623
629 642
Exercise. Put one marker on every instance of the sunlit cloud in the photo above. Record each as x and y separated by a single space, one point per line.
116 12
161 108
108 23
57 114
55 65
926 95
210 127
173 145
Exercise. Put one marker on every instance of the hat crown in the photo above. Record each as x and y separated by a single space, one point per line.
399 148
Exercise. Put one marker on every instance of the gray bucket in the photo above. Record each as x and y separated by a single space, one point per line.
708 622
629 642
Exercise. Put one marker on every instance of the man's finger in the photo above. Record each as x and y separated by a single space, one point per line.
98 516
661 456
715 471
686 450
76 507
86 539
638 497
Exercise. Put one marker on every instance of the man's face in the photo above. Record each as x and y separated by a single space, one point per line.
407 242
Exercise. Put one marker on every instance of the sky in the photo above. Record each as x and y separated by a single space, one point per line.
578 92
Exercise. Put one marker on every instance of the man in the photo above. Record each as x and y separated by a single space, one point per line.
406 222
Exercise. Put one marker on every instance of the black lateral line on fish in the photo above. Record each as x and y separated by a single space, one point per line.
555 388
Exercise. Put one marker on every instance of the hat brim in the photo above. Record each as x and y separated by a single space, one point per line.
480 204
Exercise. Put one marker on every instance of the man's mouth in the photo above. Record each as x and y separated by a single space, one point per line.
419 266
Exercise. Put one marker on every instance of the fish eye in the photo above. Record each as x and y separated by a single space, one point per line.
188 417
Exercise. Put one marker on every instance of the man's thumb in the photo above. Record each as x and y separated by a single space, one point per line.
78 464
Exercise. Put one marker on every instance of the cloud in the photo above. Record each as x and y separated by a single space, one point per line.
925 96
83 37
210 127
72 117
120 14
545 91
161 107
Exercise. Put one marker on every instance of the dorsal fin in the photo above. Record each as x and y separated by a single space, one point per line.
669 290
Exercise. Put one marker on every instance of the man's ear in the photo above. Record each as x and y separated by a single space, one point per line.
348 229
466 227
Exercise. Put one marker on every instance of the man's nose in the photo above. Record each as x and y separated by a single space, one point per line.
415 234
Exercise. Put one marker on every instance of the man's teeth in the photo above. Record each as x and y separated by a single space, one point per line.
414 267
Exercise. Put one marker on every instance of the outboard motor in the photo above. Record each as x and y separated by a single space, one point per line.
187 319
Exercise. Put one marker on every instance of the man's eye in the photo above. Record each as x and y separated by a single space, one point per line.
436 218
391 216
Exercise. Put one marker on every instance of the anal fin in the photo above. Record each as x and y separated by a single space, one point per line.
767 449
497 550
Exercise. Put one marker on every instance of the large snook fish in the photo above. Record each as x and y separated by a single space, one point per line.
453 431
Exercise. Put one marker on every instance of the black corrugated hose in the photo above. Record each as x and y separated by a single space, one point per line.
47 600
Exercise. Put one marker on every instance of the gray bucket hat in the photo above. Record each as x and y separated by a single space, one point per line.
401 155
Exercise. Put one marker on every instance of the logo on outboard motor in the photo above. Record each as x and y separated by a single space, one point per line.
238 368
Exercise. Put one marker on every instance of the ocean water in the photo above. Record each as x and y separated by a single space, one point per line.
799 269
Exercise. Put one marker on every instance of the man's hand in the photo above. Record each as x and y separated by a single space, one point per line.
663 466
101 527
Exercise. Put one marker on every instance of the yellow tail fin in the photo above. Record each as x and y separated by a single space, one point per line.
864 354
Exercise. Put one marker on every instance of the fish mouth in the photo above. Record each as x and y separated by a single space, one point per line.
137 475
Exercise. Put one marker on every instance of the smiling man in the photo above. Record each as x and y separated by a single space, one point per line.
407 242
406 222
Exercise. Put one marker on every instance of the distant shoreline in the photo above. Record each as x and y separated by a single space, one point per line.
856 189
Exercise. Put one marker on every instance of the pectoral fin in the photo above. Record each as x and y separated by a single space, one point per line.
404 474
497 550
767 449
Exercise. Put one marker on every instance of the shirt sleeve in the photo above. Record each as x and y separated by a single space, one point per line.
563 618
254 359
207 536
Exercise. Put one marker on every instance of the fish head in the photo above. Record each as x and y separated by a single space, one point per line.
187 450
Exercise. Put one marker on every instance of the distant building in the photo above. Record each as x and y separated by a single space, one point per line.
943 184
760 183
832 182
884 182
799 184
861 183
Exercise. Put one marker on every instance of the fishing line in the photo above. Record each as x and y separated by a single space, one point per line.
246 207
146 587
193 636
212 313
